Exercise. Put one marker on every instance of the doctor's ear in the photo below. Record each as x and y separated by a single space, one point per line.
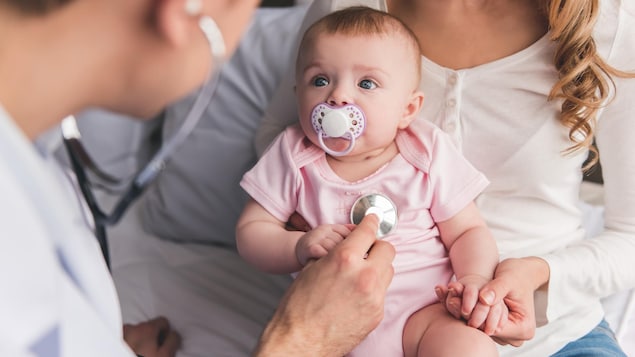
176 18
412 108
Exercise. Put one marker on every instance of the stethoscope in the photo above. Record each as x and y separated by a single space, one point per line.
81 162
380 205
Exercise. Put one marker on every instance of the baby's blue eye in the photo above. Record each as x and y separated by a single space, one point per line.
320 81
367 84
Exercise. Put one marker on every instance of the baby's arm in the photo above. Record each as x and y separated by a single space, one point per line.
474 256
263 241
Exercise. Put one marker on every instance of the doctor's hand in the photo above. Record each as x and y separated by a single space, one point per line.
335 301
152 338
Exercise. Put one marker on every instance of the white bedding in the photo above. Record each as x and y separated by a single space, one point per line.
217 302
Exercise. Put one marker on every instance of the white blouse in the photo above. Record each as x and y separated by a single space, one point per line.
498 115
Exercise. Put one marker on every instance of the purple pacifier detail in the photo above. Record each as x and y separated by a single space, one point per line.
345 122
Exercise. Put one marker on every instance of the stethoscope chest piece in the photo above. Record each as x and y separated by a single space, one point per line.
380 205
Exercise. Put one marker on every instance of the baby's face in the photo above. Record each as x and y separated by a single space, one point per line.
376 73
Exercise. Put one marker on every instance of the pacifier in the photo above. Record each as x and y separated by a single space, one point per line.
345 122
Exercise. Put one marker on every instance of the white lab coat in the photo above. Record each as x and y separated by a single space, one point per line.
57 297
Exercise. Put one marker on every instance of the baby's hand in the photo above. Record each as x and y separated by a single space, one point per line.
461 299
317 242
467 288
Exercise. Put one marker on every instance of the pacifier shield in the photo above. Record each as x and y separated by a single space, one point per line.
338 122
334 123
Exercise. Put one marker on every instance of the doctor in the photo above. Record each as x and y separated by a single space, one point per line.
58 57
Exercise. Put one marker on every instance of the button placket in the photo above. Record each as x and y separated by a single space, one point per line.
452 105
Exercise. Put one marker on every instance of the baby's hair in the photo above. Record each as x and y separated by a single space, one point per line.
35 7
585 79
360 21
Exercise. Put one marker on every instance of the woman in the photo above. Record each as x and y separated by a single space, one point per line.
524 87
60 57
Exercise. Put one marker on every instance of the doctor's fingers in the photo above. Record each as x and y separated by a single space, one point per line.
380 257
154 327
362 238
170 345
152 338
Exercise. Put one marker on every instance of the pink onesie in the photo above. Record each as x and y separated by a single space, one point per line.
428 181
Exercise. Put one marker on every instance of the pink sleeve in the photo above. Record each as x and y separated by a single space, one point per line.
455 182
273 181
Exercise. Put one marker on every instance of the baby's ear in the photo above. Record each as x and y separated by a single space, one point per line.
412 108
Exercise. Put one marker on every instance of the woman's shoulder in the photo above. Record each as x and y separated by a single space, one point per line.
615 29
615 8
628 6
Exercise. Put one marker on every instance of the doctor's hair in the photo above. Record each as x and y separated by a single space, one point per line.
361 21
36 7
585 81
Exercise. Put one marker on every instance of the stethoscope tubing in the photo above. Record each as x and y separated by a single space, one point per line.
151 170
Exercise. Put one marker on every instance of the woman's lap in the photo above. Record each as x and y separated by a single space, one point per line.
600 342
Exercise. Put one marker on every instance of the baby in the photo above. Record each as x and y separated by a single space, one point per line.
357 151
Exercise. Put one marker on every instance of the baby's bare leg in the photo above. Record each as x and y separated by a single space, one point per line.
433 332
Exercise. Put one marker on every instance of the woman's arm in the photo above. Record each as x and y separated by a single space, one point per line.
603 265
592 268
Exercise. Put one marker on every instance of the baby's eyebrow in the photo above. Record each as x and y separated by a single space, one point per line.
365 67
370 69
312 66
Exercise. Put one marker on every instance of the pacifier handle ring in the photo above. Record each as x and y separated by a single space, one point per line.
333 152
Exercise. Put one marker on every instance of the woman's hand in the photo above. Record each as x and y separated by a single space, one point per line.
515 282
152 338
461 299
335 301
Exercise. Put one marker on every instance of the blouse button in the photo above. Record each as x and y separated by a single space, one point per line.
452 79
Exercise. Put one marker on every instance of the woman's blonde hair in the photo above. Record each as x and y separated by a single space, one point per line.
585 79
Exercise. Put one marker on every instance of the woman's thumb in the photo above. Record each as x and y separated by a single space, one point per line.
493 292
